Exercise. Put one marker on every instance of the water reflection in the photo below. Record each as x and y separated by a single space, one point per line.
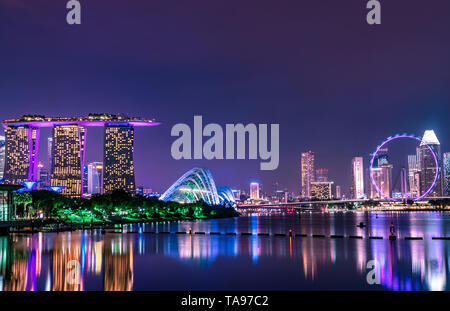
143 261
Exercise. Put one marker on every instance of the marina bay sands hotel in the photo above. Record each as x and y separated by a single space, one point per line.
68 150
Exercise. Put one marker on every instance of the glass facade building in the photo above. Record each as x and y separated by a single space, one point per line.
118 159
21 149
357 188
427 164
69 143
2 155
446 173
198 184
95 178
307 173
321 190
6 201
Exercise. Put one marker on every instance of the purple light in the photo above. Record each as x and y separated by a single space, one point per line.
29 185
40 124
388 141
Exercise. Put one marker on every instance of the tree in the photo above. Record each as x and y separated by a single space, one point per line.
23 198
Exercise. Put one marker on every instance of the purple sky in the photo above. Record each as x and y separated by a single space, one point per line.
334 84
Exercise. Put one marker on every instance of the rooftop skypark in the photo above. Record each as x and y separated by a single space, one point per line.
90 120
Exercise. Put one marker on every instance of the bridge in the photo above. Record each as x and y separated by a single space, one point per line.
303 204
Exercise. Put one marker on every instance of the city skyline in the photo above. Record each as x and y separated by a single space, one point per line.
29 134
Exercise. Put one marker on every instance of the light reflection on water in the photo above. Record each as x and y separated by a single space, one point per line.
143 261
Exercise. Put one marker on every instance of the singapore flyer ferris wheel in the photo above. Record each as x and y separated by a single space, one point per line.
379 171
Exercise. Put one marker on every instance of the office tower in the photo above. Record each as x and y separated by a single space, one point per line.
338 192
237 195
382 176
383 179
44 178
413 168
446 173
85 180
428 164
254 191
382 157
307 172
357 187
404 184
417 183
21 150
95 178
321 190
69 143
50 152
118 161
2 156
321 175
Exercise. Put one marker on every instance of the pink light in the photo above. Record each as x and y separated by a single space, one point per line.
388 141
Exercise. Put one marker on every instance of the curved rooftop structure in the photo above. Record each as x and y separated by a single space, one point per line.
68 149
198 184
36 121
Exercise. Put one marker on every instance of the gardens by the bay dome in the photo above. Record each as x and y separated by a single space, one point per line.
198 184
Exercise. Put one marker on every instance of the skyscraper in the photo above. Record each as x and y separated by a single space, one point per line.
85 180
254 191
321 175
118 161
321 190
338 192
69 143
67 147
413 168
95 178
307 172
427 164
446 173
357 188
382 177
21 149
2 155
50 152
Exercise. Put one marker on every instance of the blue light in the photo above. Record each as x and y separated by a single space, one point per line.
57 189
29 184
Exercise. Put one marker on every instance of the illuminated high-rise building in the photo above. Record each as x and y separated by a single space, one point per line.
307 172
321 190
446 173
85 179
254 191
357 188
69 143
50 152
21 151
338 192
382 177
95 178
66 150
43 177
118 161
427 164
413 168
2 155
321 175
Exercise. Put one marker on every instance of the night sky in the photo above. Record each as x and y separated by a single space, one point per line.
335 84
